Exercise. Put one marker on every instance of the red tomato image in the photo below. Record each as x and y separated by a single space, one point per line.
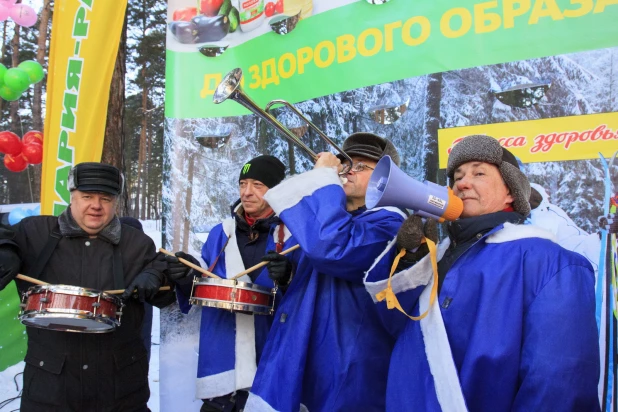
210 7
279 7
184 14
269 10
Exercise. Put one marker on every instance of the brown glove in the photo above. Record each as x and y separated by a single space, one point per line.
411 234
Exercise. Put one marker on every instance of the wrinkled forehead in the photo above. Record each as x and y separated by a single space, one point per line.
75 192
474 165
365 160
251 181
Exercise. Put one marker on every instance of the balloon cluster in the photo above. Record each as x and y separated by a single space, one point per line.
21 14
15 81
19 153
17 214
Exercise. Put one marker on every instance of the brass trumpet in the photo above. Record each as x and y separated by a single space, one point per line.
229 88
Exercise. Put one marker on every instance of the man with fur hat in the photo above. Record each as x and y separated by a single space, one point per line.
231 343
512 326
88 247
327 350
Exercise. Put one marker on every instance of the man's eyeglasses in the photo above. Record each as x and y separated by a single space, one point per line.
359 167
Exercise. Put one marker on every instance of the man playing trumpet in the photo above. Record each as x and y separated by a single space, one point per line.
326 349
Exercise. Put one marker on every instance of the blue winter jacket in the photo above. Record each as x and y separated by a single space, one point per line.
327 349
230 343
518 312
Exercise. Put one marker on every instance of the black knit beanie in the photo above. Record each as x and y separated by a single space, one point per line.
267 169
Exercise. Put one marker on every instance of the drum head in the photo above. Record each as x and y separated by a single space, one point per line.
70 309
68 323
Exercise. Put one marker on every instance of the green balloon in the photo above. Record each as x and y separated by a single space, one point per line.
33 69
3 70
16 79
9 94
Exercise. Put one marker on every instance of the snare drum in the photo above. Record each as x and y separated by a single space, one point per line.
233 295
70 309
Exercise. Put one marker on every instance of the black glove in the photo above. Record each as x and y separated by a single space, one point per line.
145 285
9 265
411 234
177 271
279 267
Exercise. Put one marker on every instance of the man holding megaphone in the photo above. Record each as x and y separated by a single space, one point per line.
505 320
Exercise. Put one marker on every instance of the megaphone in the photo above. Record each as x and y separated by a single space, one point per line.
390 186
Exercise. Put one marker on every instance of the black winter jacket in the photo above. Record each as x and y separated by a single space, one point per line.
68 371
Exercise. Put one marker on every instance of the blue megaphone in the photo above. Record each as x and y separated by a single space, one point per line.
390 186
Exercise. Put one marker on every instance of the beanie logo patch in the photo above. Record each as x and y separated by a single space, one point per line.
245 168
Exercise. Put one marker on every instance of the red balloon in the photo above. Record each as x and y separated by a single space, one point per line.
10 143
15 163
33 136
33 153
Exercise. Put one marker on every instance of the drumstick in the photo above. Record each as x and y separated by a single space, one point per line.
31 280
264 263
118 291
40 282
191 265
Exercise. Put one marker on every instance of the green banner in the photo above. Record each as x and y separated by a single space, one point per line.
13 338
360 44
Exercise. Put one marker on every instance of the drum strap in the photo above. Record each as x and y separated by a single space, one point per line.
118 272
211 267
281 235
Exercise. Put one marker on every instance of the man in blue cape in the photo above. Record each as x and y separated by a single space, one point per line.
231 343
326 350
505 319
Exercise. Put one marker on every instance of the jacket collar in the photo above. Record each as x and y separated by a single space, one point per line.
70 228
463 230
260 225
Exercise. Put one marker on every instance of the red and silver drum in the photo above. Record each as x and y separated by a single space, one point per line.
233 295
70 309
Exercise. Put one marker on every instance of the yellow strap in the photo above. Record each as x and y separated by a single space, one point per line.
389 295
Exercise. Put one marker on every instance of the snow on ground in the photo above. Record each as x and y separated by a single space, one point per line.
10 387
11 378
153 373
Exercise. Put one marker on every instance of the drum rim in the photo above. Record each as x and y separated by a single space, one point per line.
78 313
74 291
233 307
233 283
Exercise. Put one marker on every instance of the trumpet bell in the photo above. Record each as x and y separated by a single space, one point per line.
229 88
228 85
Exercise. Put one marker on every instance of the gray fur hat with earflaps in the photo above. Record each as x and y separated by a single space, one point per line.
486 149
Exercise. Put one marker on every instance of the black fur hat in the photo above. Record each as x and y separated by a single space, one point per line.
96 177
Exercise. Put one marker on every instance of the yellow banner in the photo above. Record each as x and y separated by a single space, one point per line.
545 140
84 45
